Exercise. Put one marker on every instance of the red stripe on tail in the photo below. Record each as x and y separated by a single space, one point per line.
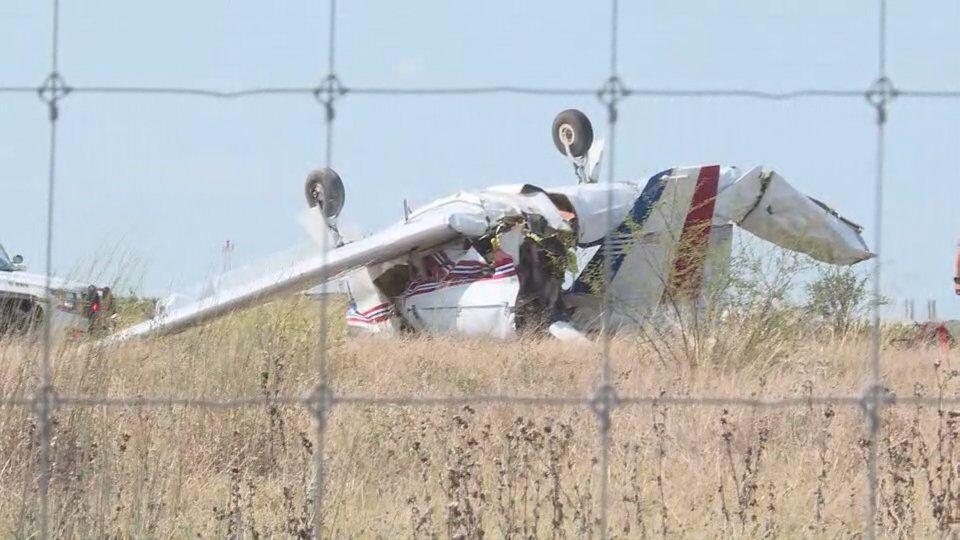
692 249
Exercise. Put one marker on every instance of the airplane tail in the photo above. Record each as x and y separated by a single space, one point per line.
766 205
679 231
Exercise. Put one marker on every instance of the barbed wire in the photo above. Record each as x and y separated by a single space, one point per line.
605 399
52 91
881 93
329 91
886 398
307 91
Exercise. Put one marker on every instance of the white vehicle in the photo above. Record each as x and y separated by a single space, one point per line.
517 258
24 300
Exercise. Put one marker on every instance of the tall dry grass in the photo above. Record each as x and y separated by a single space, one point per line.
492 471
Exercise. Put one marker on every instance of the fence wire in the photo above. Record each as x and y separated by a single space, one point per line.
604 400
330 399
627 91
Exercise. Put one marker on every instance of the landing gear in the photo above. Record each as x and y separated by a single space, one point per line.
573 137
572 133
324 188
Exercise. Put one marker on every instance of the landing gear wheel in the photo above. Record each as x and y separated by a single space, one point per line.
572 129
324 188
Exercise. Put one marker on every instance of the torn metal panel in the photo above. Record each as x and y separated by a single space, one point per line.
369 310
766 205
457 289
594 211
530 199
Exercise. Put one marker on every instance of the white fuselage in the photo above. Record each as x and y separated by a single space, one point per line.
453 266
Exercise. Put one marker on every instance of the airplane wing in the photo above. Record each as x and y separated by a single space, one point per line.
465 214
418 233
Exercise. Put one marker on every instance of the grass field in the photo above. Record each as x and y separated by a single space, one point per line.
492 471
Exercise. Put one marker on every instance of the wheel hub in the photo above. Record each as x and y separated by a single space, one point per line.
567 134
317 193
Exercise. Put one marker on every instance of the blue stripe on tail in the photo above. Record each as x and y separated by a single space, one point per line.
624 233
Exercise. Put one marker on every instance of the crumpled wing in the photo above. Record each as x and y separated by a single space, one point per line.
766 205
421 233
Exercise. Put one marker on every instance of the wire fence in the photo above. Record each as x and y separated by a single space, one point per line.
605 399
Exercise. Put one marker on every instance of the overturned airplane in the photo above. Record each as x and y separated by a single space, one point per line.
521 258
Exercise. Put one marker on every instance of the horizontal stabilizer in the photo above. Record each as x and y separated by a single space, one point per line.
767 206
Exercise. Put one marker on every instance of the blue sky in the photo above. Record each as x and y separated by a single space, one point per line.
170 178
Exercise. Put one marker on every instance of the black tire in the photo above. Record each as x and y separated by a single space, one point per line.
573 127
324 188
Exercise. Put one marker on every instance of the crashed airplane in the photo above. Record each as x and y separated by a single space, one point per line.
513 259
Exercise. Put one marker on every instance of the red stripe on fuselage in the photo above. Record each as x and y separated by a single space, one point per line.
692 248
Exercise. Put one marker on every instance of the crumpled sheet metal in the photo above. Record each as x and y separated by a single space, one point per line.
764 204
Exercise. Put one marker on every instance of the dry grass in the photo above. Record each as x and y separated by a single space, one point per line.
494 471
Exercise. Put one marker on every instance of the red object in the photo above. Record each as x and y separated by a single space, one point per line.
943 337
692 248
95 307
934 334
500 258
